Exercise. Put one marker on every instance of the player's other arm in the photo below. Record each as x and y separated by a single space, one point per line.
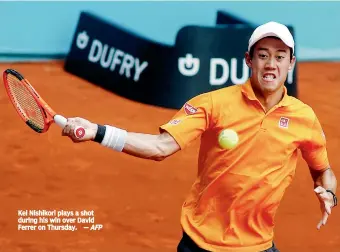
325 185
314 152
325 179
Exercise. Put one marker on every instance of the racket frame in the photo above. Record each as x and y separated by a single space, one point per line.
47 112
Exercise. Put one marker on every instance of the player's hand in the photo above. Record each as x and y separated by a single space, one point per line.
73 123
326 204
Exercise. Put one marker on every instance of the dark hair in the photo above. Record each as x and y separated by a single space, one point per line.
251 51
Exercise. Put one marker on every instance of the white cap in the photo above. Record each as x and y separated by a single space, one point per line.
272 29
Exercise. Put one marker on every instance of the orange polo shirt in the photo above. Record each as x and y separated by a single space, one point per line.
232 204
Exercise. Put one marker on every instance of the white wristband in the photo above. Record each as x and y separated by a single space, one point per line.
114 138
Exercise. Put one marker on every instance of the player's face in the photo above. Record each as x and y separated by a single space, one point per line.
270 64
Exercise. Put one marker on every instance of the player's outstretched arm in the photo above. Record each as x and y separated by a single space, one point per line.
155 147
147 146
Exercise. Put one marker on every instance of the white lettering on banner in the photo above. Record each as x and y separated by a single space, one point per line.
215 81
110 57
189 66
82 40
245 72
105 63
92 56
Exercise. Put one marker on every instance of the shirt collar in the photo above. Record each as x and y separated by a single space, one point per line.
248 91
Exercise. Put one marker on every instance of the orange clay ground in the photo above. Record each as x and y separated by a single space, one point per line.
138 201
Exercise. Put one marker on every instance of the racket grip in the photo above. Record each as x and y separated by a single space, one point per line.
60 120
79 132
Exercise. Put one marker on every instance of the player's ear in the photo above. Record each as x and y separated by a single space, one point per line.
292 63
248 59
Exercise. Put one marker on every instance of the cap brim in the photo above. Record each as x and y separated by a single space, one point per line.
270 34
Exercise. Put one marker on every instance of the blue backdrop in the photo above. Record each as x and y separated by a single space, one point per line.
45 29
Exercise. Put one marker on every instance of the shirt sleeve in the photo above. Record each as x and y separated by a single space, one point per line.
190 121
314 149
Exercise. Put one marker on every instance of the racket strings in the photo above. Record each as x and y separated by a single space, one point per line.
25 103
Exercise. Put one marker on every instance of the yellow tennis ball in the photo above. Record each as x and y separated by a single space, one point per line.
228 139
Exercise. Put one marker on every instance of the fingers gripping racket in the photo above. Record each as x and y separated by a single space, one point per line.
35 112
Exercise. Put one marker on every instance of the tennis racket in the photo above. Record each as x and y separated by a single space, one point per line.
32 109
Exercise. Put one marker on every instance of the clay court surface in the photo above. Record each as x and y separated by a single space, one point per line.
138 201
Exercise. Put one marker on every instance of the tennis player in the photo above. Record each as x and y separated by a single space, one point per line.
232 203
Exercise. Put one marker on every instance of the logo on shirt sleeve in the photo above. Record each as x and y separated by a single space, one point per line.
189 110
283 123
175 121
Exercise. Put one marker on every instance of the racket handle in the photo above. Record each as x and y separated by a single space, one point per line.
79 132
60 120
